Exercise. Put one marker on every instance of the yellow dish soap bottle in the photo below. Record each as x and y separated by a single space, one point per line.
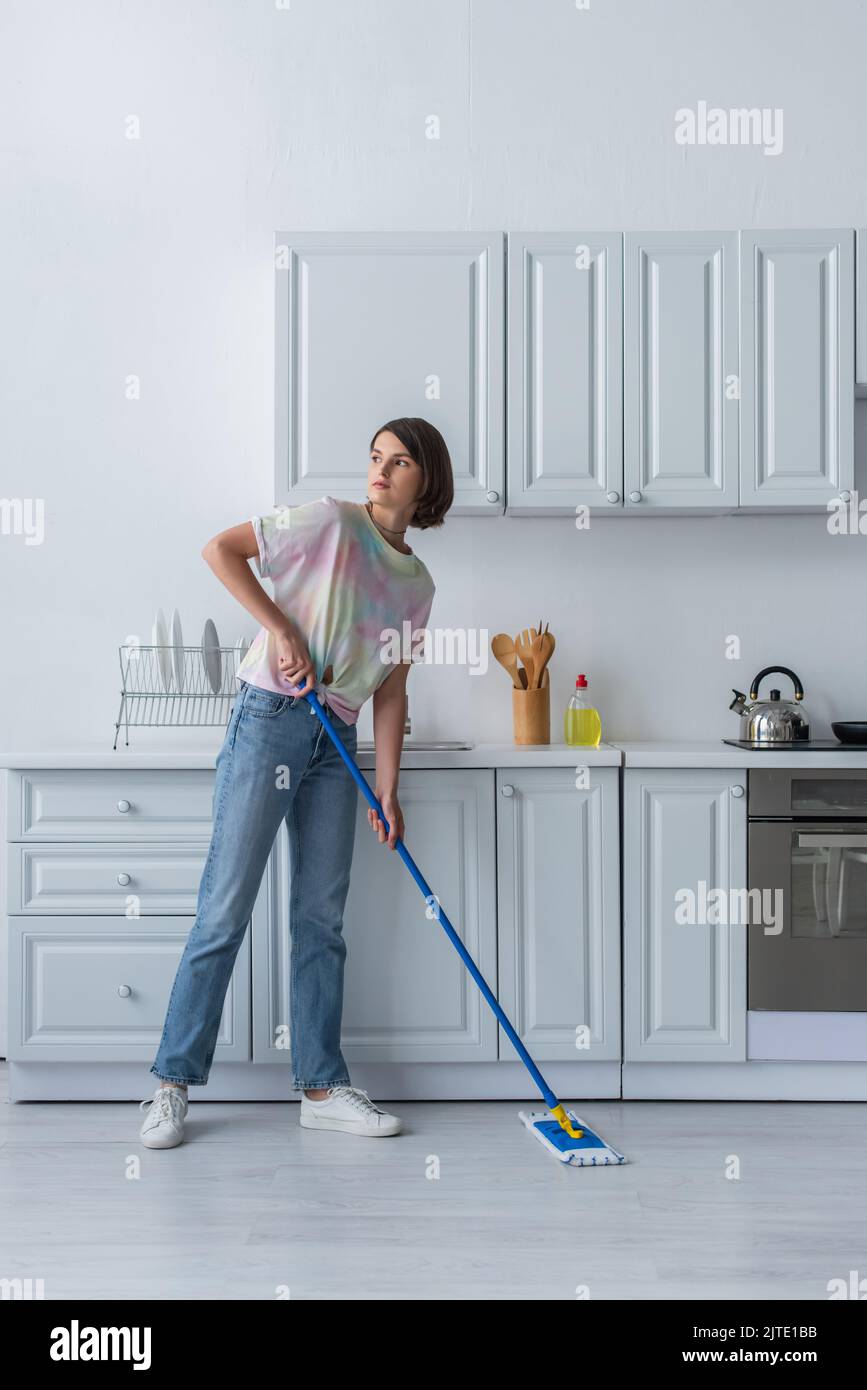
582 726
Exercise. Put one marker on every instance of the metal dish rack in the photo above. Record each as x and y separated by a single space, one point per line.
146 703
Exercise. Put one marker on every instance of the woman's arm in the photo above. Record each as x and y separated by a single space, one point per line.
389 720
228 554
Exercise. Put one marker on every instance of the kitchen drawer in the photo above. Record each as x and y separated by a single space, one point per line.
125 880
101 804
87 989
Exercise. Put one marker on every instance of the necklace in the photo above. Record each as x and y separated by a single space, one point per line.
379 523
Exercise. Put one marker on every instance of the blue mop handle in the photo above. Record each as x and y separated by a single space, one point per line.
547 1094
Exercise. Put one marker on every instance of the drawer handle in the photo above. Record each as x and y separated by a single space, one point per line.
737 791
507 790
123 880
123 806
124 991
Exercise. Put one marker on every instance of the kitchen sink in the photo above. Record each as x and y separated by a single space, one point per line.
421 745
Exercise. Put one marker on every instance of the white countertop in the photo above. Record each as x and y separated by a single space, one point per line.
165 753
148 751
715 753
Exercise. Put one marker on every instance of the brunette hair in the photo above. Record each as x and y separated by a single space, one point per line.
425 444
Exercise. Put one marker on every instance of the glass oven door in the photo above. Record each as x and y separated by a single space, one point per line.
807 944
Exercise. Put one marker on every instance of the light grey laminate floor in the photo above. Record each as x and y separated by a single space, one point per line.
252 1203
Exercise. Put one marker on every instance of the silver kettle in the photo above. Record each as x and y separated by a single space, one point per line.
773 720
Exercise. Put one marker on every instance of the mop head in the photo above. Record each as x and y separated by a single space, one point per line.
588 1152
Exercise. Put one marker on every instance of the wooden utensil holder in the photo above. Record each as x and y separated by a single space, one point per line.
531 713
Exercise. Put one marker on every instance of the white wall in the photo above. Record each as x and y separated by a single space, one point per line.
153 257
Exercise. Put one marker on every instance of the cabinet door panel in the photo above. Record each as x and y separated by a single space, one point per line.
861 309
798 389
371 326
565 445
684 982
680 369
559 912
407 995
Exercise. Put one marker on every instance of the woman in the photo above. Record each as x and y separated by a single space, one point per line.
345 581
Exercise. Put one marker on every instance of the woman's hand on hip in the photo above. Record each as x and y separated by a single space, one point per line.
293 660
393 814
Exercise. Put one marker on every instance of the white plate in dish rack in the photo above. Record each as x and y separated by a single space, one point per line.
211 656
160 639
177 649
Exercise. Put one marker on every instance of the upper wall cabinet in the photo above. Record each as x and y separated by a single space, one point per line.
681 370
648 373
375 325
565 431
798 386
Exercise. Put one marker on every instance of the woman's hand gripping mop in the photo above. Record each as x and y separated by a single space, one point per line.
564 1135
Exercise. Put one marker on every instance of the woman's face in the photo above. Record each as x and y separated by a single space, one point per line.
391 464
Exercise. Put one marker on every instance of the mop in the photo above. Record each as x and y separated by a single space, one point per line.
563 1134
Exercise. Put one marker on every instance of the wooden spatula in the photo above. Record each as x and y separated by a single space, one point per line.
543 650
524 648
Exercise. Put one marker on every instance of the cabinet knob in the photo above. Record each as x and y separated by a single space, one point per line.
635 496
492 497
123 879
124 991
612 496
737 791
123 806
507 790
845 497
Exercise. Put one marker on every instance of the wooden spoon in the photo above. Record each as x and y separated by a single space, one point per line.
504 650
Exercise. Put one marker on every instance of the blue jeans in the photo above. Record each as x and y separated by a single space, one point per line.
271 740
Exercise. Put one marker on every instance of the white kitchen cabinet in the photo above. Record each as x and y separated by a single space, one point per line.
565 344
648 372
96 989
407 995
558 896
861 311
160 879
685 832
371 326
104 805
798 366
103 873
680 372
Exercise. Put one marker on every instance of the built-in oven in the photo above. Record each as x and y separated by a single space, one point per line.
807 944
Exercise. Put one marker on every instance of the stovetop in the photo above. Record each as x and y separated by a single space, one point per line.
799 745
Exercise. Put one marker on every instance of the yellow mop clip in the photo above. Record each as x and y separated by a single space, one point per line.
565 1123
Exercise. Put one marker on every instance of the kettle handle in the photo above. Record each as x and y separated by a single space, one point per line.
783 671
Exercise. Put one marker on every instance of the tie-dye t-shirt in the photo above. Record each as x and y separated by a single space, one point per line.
346 588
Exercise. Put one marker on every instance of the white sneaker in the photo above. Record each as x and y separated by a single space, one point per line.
346 1107
164 1125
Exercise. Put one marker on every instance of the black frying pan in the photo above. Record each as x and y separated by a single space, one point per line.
851 730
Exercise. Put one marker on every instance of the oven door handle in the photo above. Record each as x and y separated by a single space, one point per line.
830 841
